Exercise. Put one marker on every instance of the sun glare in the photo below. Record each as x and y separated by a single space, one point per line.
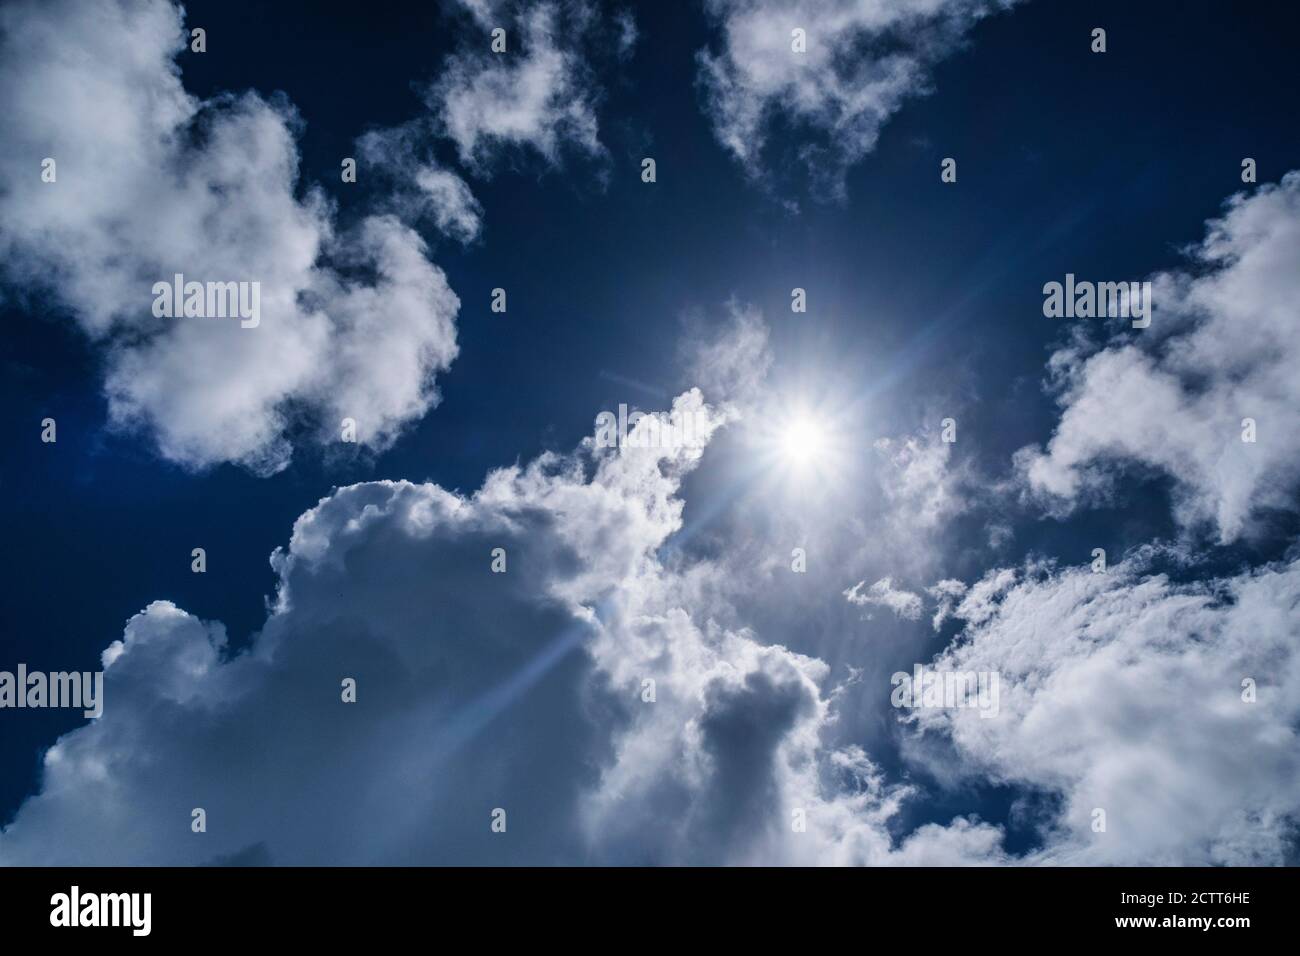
802 438
802 441
802 446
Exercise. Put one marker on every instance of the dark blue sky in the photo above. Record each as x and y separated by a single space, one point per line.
924 293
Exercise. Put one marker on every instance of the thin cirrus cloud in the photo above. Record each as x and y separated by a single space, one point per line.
862 60
922 484
417 188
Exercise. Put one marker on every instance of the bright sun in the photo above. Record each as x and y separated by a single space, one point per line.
801 446
802 441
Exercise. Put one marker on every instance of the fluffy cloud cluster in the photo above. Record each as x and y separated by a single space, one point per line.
538 94
584 692
523 690
152 181
862 59
1125 692
1221 348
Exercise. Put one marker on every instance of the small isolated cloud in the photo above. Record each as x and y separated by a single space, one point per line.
882 594
861 59
1221 349
539 94
625 24
151 182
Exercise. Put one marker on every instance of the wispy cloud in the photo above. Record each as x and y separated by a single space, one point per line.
883 594
835 82
1125 693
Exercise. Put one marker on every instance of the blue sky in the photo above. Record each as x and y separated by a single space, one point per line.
1120 691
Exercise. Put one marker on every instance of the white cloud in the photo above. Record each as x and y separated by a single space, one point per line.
1119 690
1222 347
919 481
152 181
538 94
946 593
883 594
419 188
1123 692
729 359
862 59
521 690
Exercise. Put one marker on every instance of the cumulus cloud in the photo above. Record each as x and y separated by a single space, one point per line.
1123 692
883 594
152 181
862 59
1221 348
523 690
538 94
